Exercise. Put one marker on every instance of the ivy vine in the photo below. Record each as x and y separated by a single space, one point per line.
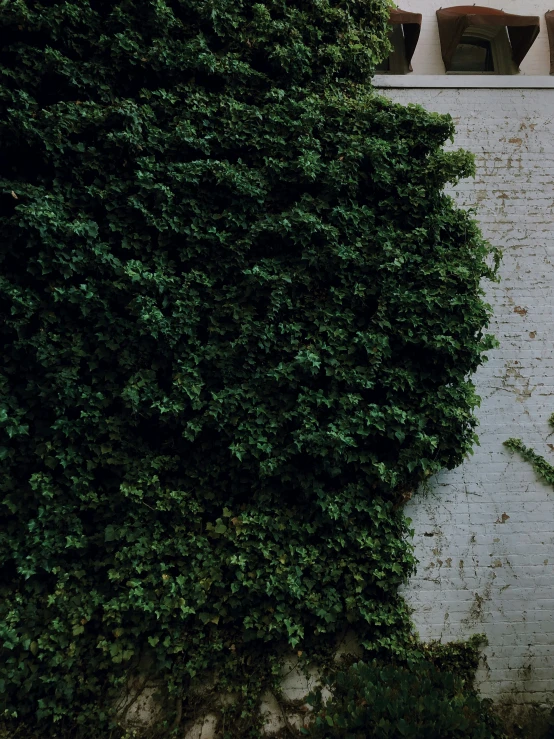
543 468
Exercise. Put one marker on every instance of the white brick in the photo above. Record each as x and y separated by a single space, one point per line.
509 566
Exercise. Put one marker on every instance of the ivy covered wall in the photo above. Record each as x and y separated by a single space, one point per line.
239 323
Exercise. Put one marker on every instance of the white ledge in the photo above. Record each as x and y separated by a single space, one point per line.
491 81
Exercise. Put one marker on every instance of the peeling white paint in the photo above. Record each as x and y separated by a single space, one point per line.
204 728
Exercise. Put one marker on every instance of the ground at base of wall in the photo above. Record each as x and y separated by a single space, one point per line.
522 722
527 721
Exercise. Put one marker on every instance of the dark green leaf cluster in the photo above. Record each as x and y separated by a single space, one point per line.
415 701
239 318
461 658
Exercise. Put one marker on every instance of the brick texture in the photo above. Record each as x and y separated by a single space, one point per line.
484 533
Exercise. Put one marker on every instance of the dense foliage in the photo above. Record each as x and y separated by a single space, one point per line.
416 701
239 320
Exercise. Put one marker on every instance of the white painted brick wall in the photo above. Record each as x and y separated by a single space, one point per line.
427 58
488 565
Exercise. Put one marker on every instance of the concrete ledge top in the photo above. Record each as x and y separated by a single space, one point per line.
491 81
